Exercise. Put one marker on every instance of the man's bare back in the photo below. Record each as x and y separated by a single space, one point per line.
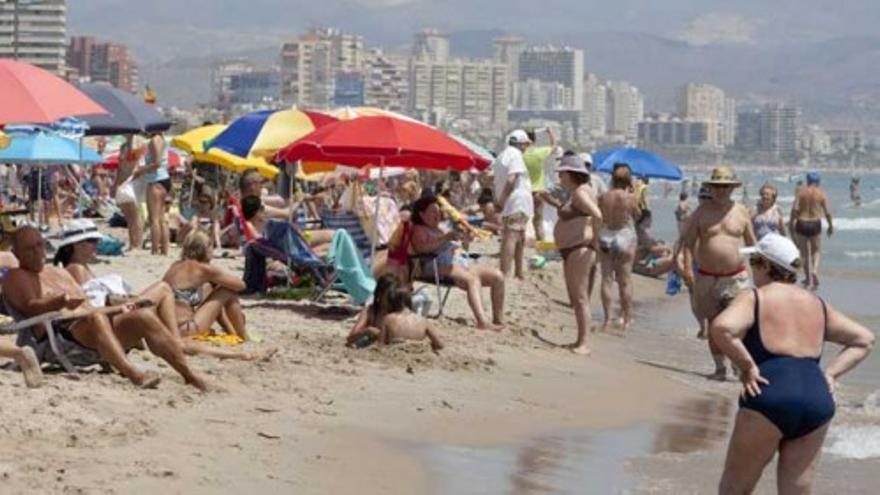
810 204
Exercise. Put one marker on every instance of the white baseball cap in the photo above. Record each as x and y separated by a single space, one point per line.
519 136
777 249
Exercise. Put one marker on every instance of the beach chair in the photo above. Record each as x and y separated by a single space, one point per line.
350 268
351 223
54 350
443 285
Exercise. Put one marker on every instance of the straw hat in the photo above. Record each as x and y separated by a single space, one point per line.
723 176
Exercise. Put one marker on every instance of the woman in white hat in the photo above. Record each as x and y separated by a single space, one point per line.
775 335
575 236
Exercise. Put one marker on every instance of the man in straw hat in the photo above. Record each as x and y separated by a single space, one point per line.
715 234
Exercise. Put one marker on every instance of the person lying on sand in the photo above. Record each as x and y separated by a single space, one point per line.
35 289
390 318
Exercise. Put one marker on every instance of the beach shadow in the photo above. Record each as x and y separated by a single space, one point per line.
544 340
673 368
309 309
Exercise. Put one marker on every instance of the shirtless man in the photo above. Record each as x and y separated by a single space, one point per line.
810 205
617 243
35 289
714 234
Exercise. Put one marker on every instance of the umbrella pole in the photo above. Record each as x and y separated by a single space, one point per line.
376 210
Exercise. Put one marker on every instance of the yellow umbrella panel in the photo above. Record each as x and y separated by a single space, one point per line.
4 140
237 164
193 141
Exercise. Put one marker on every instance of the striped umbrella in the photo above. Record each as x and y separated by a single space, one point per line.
261 134
193 140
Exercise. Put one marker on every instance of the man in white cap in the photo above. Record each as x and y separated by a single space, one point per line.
513 195
714 234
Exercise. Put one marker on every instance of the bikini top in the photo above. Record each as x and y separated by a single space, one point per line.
191 296
766 222
755 344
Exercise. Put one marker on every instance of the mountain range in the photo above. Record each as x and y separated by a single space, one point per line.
820 54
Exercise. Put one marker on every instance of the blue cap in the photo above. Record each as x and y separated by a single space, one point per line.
813 177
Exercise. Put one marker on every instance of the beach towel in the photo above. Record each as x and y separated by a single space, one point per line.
224 339
351 223
383 225
350 267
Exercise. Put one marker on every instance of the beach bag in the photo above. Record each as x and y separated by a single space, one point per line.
117 220
110 246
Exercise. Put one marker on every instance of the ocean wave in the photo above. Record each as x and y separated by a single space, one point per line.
870 223
862 254
854 442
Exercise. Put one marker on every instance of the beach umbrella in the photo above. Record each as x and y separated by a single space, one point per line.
34 146
261 134
4 140
193 140
383 141
31 95
642 163
237 164
128 113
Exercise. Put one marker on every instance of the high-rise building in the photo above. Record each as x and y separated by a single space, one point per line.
476 91
35 32
550 64
222 74
386 81
595 106
506 51
309 65
779 128
772 129
256 89
625 109
348 89
431 45
706 102
94 61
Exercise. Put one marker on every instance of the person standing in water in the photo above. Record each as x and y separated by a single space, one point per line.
810 205
855 194
768 217
715 233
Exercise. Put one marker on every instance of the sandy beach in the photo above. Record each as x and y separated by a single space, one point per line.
322 418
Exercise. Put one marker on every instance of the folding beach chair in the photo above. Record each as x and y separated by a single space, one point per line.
54 349
443 285
351 223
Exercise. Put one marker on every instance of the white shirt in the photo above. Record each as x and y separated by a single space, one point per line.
510 161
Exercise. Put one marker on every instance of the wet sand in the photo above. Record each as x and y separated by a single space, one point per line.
322 418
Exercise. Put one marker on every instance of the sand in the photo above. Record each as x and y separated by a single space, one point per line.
322 418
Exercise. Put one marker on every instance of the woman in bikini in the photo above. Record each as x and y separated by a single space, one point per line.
575 237
618 242
197 308
428 238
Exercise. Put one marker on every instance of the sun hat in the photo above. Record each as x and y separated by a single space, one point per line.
78 230
813 177
777 249
587 159
723 176
519 136
573 163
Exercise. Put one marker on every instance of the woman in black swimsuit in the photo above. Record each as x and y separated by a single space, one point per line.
775 335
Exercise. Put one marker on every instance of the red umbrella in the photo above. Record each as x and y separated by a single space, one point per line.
30 95
382 141
111 161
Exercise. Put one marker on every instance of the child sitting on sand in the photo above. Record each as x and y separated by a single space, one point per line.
390 319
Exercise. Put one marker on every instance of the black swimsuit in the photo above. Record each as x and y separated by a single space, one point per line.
797 400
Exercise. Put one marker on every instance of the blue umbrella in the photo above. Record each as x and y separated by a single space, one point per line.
34 146
128 113
642 163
